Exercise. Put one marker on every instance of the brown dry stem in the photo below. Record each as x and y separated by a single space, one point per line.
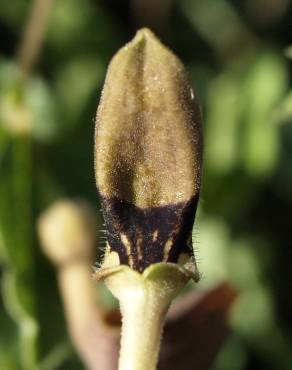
33 35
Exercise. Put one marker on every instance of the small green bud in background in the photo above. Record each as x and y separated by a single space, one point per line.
148 149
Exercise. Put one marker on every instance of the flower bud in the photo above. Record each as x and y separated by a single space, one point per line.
67 231
148 147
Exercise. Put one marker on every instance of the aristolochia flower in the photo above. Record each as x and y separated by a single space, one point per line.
148 154
148 148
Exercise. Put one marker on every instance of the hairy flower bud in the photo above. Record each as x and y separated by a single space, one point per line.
148 148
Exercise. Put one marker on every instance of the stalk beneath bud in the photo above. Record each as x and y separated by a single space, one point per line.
144 301
143 314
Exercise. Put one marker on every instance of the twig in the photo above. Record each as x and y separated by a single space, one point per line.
96 342
33 35
68 234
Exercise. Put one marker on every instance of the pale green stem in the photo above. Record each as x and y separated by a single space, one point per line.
143 315
144 300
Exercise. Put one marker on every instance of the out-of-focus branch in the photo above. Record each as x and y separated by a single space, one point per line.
96 342
68 235
33 35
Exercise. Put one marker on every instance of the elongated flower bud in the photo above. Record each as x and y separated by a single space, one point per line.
148 154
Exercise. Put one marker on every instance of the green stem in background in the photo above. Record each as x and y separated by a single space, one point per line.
56 358
3 147
22 196
18 283
23 300
17 214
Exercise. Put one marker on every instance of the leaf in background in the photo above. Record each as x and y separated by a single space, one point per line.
2 250
68 22
288 52
76 26
218 23
9 359
58 355
40 101
212 255
28 327
244 268
13 13
253 312
76 82
17 289
26 108
283 112
224 109
265 85
4 143
233 356
16 119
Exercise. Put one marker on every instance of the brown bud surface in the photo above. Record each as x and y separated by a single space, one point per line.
148 149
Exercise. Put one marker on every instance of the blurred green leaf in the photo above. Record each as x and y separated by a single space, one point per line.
76 26
232 357
68 21
283 112
75 83
253 312
244 268
28 327
42 104
218 23
13 13
56 357
288 52
265 85
26 108
212 255
224 110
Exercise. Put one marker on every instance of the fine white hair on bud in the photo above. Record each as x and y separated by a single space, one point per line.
148 150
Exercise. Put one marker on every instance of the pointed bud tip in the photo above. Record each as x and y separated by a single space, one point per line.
144 33
141 37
